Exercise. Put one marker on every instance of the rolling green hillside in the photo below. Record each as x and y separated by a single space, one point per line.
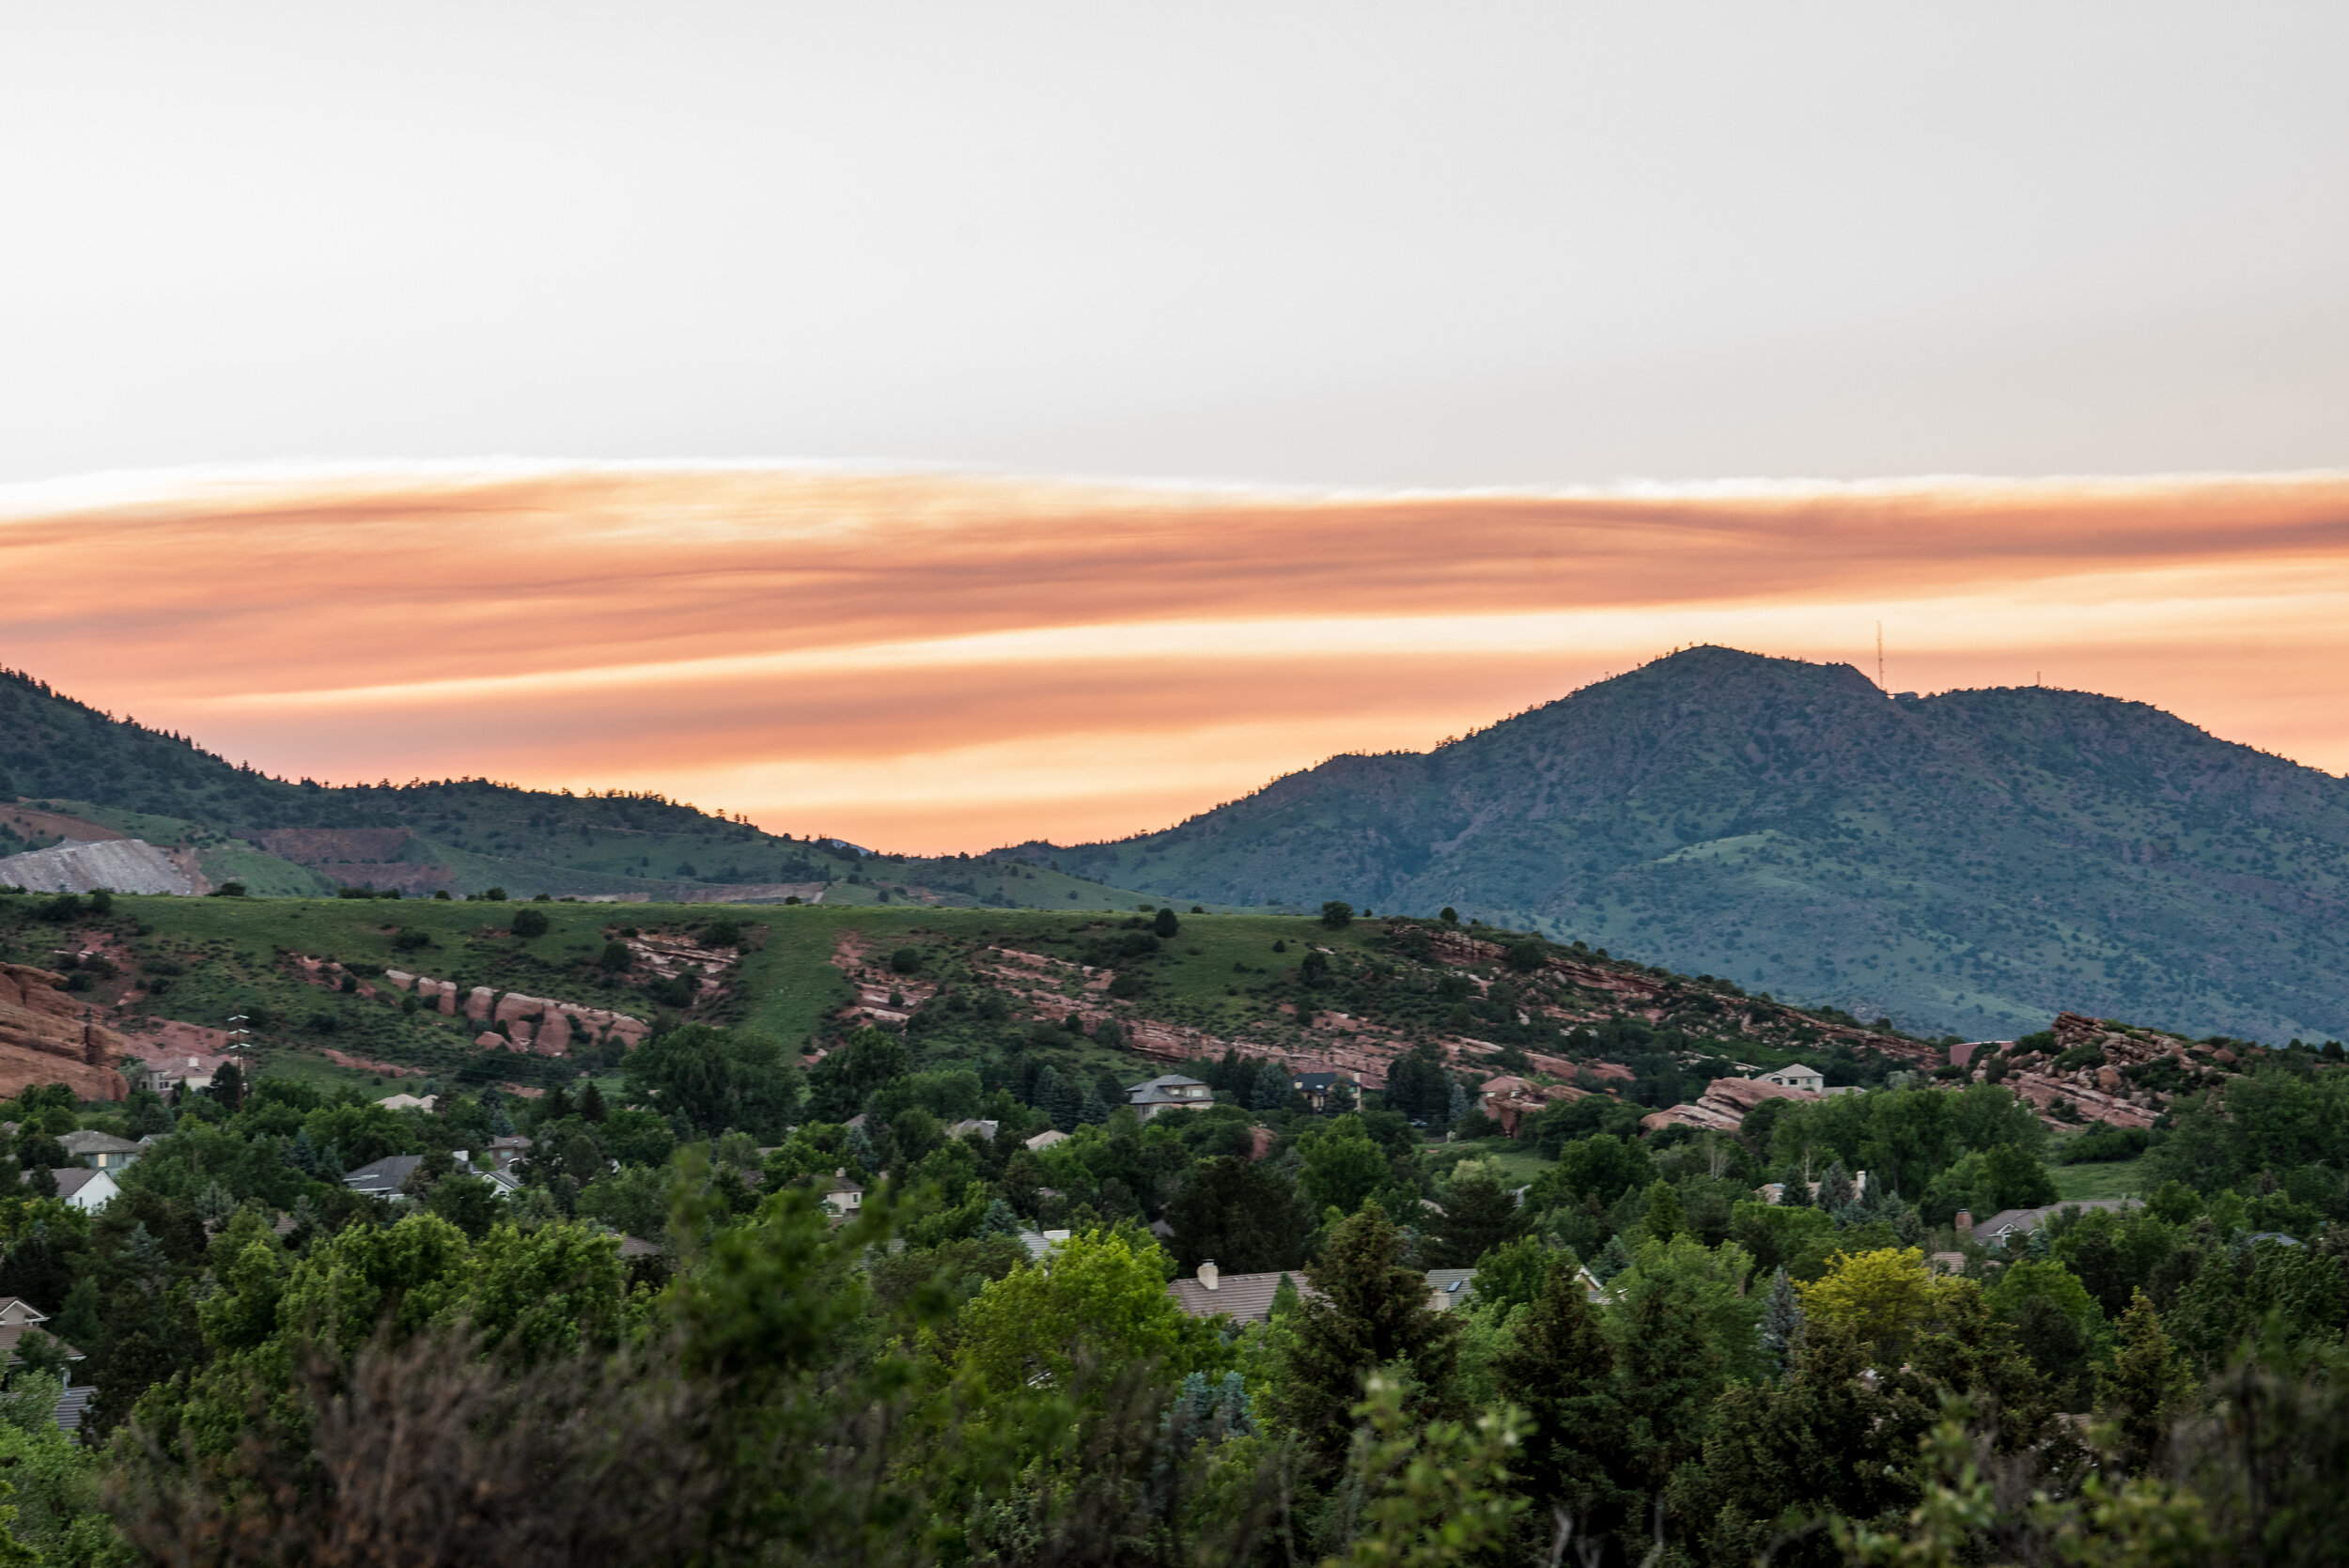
990 990
1972 862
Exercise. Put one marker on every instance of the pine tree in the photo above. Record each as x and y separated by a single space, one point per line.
1612 1260
1000 1219
1836 1191
1092 1109
1795 1192
214 1205
1666 1217
1370 1310
1559 1365
305 1153
1272 1090
1781 1319
591 1107
2146 1389
1458 1104
1477 1215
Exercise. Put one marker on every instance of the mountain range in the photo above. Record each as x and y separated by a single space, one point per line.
76 774
1969 863
1973 862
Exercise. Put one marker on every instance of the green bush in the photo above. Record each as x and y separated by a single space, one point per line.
529 922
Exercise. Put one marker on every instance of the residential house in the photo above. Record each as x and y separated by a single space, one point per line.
965 1128
1319 1087
1040 1243
1808 1079
2012 1225
1169 1092
843 1196
100 1151
505 1151
1242 1298
1448 1288
384 1179
180 1070
1046 1138
81 1187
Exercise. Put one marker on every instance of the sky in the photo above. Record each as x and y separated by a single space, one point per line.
941 424
934 662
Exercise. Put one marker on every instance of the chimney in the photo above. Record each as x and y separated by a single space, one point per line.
1207 1275
1965 1222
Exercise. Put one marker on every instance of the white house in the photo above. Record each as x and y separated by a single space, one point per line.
1794 1077
83 1187
843 1197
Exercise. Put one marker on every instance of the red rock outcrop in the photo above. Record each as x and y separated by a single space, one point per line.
1724 1105
47 1037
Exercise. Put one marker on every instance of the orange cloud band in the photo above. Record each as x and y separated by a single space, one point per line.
936 662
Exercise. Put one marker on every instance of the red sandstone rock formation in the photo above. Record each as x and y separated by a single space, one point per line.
47 1037
1723 1105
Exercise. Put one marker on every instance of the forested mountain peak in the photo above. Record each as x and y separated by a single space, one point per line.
1973 861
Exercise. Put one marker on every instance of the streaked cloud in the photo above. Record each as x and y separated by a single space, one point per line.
934 661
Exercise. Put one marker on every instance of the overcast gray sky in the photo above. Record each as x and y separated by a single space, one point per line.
1350 243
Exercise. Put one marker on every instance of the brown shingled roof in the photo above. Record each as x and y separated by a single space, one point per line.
1243 1297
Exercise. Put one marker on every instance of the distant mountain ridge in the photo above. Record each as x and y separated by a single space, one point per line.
95 776
1973 862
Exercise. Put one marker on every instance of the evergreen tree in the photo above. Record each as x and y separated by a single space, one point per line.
1612 1260
1795 1192
1000 1219
1165 926
1836 1191
214 1205
2146 1389
1781 1319
305 1154
1092 1110
1456 1104
1477 1215
1247 1217
1666 1217
591 1107
1823 1439
1270 1091
1671 1371
1370 1310
1559 1365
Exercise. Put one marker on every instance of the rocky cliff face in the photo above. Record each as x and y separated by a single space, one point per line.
45 1037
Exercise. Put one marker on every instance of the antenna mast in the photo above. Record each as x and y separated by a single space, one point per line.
1880 655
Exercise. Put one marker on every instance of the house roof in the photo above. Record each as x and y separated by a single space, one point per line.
1046 1138
1165 1081
1244 1297
2024 1221
636 1247
73 1178
1320 1080
87 1142
1454 1286
984 1128
383 1176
